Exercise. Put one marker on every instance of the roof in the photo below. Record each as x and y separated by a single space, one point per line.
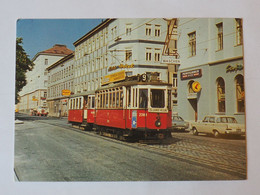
131 83
58 49
90 33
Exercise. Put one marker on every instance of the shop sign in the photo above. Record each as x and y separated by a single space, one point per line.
34 99
230 68
191 74
120 66
66 92
196 87
117 76
170 60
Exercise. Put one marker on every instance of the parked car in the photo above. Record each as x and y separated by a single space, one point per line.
179 124
42 111
218 125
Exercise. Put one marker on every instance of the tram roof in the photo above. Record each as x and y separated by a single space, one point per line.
83 94
132 83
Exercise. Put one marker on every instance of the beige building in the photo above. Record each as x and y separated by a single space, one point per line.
60 79
34 94
134 45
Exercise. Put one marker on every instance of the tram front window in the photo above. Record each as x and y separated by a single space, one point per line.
143 93
157 98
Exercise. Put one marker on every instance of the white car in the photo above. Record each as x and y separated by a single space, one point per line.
218 125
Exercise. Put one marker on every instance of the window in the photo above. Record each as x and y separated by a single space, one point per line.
239 32
128 29
192 43
157 98
220 35
128 55
46 62
221 95
148 54
174 81
212 119
157 55
143 98
148 29
206 119
157 31
240 93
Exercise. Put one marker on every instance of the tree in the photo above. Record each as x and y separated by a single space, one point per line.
23 64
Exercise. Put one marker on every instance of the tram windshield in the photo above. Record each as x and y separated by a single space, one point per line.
157 98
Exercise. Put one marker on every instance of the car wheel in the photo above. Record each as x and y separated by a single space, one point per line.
195 131
216 134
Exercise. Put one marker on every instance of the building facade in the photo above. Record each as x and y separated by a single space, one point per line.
34 94
60 78
133 45
211 74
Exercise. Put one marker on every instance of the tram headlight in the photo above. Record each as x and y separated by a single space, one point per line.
158 123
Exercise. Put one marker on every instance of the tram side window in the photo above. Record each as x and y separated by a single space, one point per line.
143 93
157 98
106 100
117 99
79 103
113 99
93 101
121 99
110 99
86 102
129 97
169 99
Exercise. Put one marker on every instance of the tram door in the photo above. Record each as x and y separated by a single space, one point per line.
143 105
85 114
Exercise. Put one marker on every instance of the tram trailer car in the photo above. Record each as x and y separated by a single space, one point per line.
134 109
82 110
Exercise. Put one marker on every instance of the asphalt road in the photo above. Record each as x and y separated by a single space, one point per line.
51 150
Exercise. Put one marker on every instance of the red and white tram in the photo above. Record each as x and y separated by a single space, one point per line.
134 109
127 109
82 110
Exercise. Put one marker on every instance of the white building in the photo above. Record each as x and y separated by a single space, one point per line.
211 54
133 45
34 94
60 78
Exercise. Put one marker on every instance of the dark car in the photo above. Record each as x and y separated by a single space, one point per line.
179 124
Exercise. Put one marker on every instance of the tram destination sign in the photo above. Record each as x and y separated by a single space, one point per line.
191 74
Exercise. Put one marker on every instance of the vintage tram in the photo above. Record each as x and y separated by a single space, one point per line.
82 110
137 107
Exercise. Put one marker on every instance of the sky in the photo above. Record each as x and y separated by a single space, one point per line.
41 34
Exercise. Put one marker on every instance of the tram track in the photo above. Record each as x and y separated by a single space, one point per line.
219 161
